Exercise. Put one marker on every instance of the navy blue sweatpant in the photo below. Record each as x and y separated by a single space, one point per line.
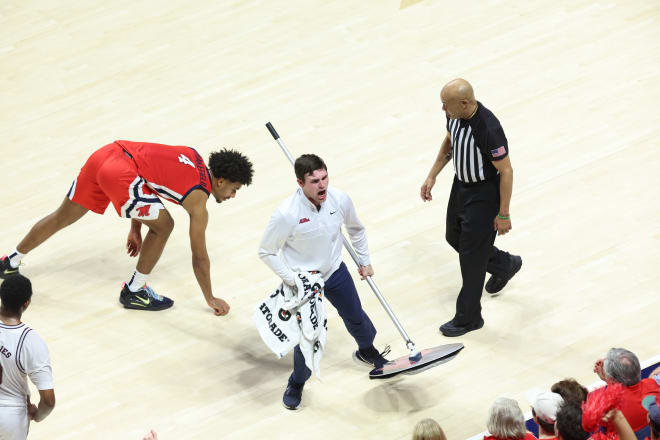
340 291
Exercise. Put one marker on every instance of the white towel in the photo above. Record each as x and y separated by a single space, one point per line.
277 326
291 316
313 321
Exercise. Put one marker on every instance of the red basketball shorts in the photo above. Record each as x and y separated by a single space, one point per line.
110 175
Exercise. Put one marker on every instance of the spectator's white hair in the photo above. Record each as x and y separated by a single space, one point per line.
505 419
428 429
622 366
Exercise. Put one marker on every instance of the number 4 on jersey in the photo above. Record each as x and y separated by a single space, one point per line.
184 159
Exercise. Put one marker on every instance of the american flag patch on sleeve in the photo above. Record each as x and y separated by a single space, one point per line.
498 152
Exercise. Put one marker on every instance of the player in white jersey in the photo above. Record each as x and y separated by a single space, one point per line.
304 234
22 353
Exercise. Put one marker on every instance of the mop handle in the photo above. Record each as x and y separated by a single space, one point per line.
350 250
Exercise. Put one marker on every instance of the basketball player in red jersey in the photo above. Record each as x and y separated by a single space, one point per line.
135 176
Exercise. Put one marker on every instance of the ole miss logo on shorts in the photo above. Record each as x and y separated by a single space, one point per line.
143 211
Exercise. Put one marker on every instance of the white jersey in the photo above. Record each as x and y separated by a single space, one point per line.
22 353
310 239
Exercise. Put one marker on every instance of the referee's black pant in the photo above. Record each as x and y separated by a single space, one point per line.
471 211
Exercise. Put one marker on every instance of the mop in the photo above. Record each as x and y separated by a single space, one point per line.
417 360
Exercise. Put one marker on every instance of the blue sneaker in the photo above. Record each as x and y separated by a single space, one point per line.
144 299
370 357
293 395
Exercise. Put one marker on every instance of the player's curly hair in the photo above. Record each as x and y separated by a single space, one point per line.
231 165
15 291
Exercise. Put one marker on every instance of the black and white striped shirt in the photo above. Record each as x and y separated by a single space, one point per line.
476 142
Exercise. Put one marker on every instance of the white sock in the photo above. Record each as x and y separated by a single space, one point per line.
137 281
15 258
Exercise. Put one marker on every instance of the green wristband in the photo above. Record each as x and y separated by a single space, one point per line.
503 217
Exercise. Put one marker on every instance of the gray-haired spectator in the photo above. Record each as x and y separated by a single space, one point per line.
506 421
544 412
428 429
622 366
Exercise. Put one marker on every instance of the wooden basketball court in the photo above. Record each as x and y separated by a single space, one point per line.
575 85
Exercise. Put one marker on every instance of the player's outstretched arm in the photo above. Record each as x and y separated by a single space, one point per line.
195 204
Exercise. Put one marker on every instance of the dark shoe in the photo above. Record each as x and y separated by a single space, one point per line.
292 397
144 299
5 268
370 356
495 284
451 330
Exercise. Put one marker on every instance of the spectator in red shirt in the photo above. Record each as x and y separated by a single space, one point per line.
622 366
506 421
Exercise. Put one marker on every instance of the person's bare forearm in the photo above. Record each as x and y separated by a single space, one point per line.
443 157
506 188
135 225
46 405
202 268
43 411
622 427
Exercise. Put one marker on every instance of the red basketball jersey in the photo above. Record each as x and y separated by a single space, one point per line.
172 171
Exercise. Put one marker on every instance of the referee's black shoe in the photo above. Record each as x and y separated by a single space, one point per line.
451 330
495 284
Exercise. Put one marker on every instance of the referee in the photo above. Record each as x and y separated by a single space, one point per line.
478 207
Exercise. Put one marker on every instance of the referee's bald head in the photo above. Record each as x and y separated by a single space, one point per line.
458 99
458 89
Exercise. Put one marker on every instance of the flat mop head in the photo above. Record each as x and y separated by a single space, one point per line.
428 358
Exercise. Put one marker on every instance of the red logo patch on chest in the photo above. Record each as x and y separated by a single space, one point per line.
303 220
